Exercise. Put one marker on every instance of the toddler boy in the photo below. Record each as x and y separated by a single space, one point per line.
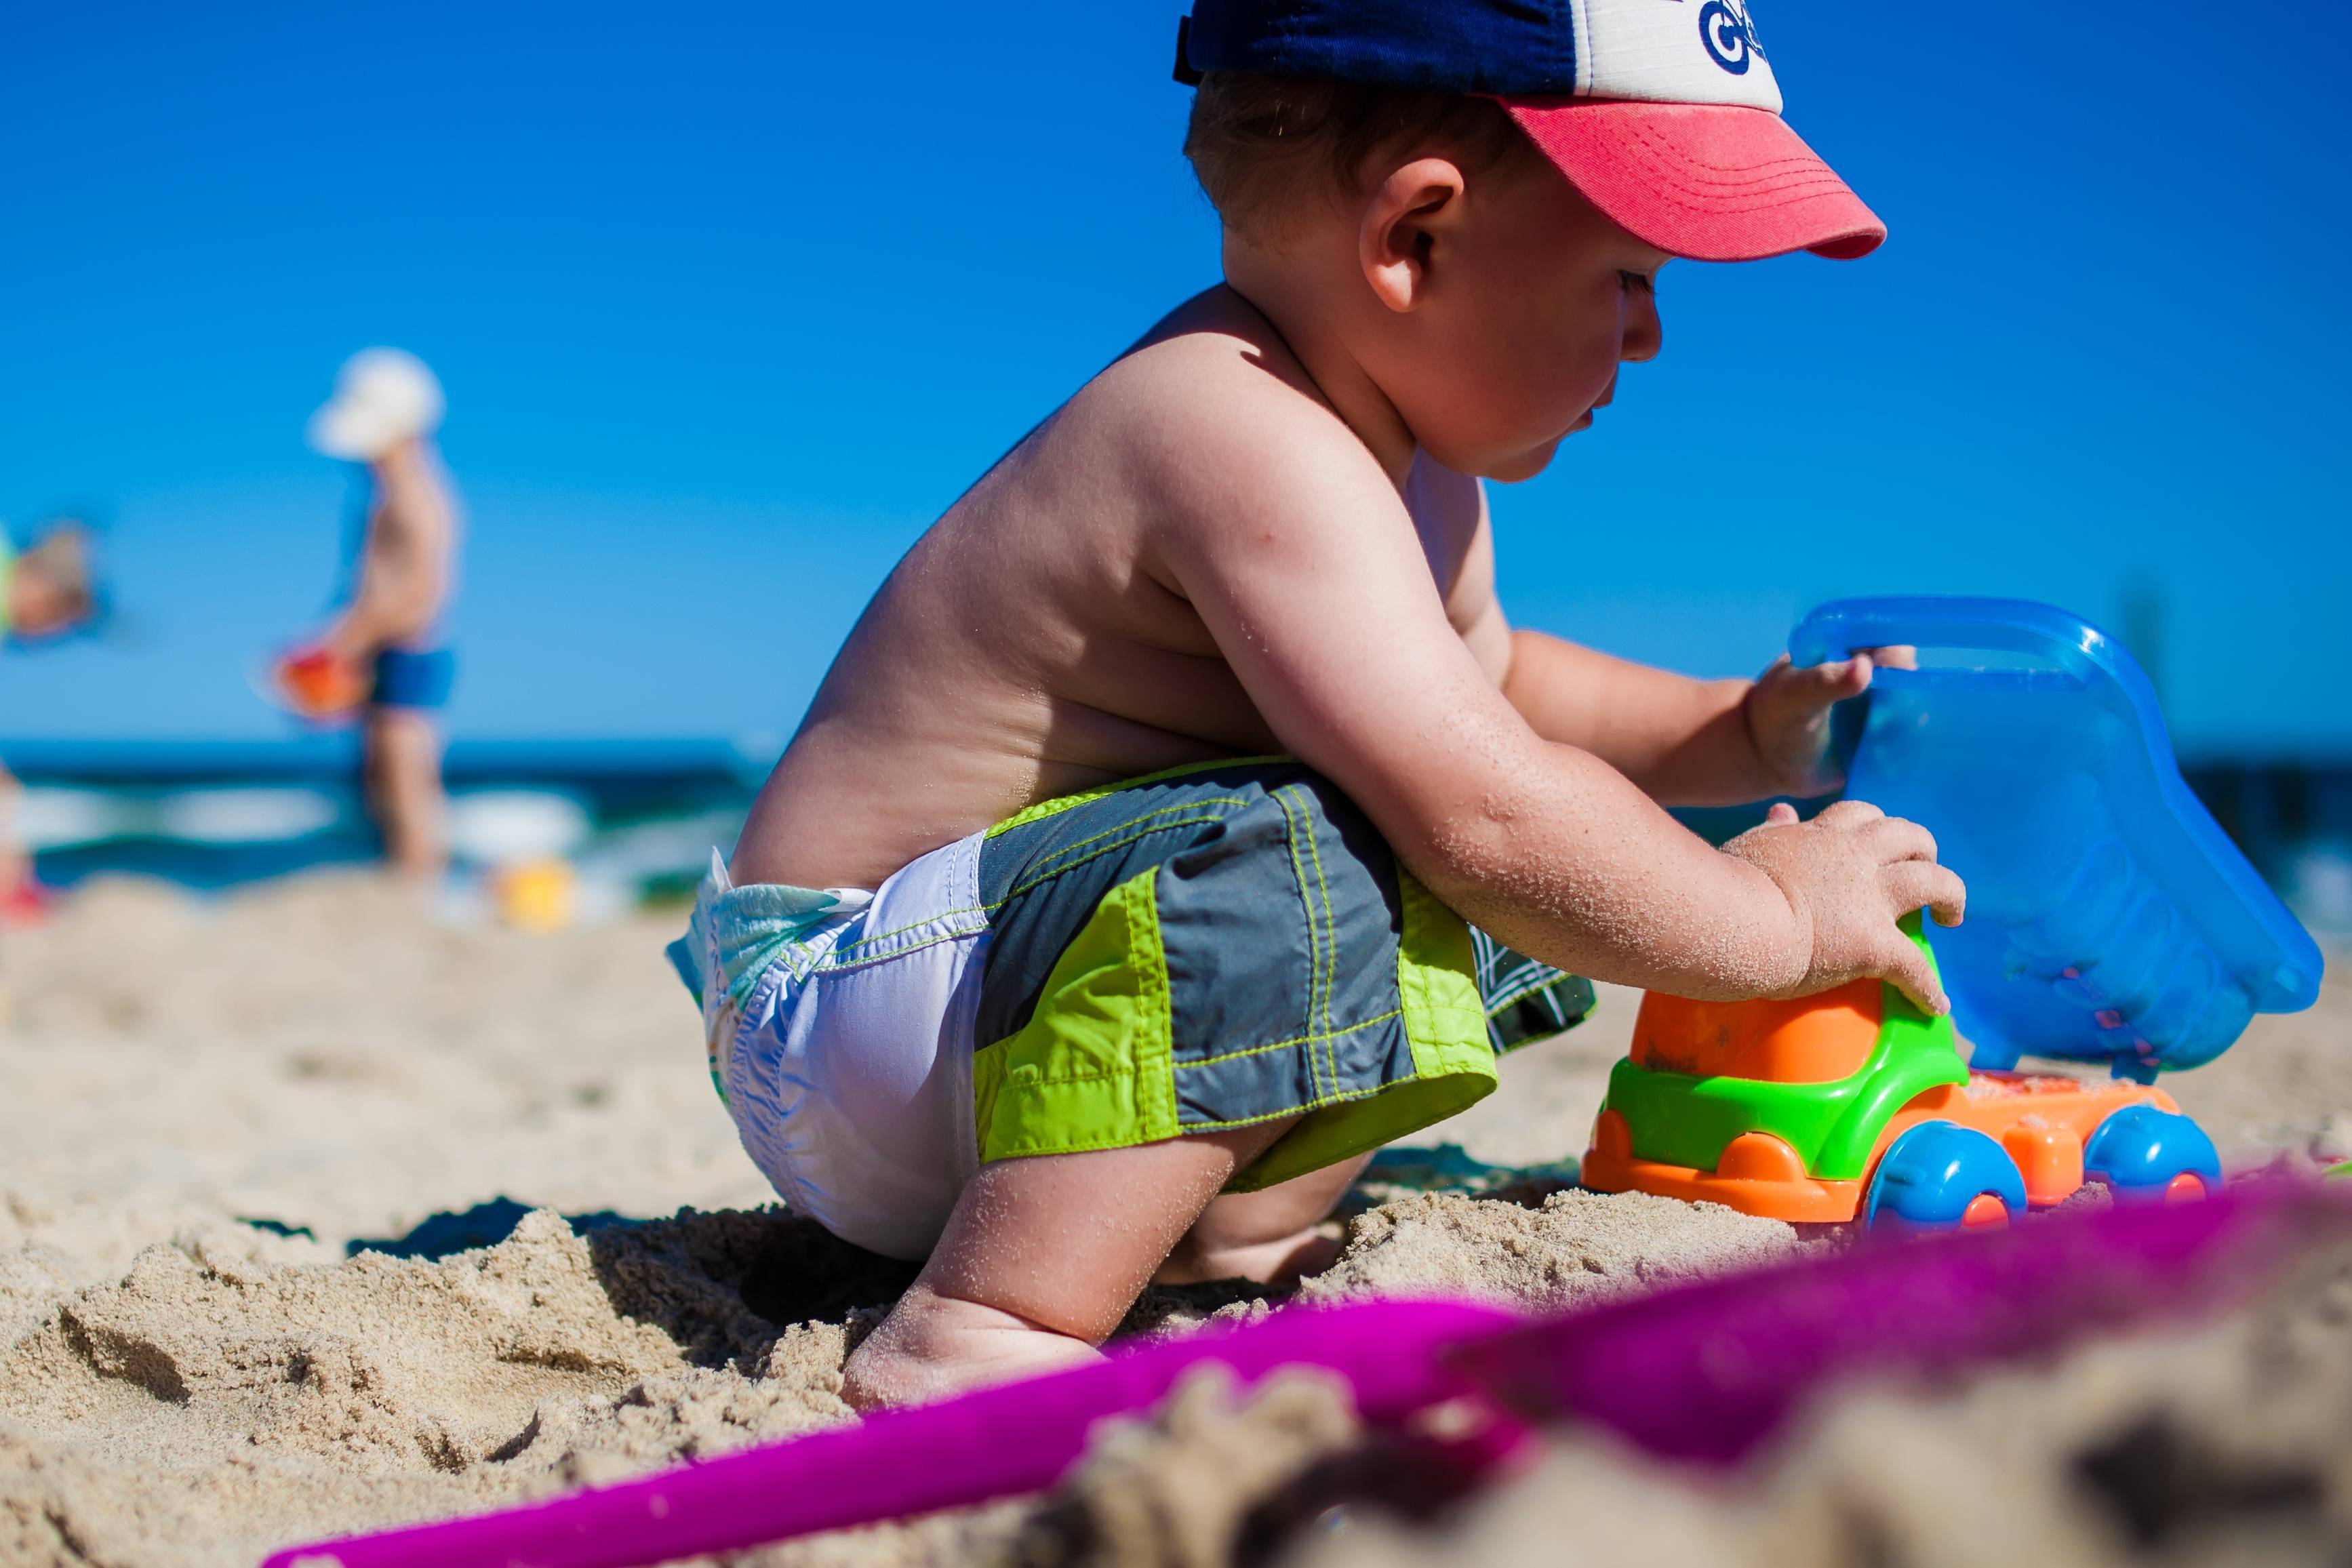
1183 819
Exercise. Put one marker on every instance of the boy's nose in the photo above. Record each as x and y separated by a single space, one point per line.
1645 332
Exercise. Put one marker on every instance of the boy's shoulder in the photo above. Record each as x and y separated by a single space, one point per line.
1211 419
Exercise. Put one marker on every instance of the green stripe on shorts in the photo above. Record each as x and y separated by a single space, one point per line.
1091 1068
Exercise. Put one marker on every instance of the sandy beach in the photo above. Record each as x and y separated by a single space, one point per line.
231 1319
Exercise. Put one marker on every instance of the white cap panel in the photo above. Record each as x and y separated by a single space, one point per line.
1673 51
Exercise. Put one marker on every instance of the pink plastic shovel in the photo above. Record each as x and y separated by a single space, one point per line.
1706 1372
997 1443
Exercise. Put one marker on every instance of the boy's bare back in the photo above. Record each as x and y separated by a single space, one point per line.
1040 638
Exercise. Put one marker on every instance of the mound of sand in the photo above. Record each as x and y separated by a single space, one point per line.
212 1405
2232 1444
1577 1250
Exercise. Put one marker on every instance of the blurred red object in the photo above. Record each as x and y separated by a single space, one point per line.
27 904
320 684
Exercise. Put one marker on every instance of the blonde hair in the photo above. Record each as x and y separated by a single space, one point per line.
1264 147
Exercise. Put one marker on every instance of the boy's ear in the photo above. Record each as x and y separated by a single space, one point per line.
1406 219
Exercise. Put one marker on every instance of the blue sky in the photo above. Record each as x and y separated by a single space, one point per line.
731 300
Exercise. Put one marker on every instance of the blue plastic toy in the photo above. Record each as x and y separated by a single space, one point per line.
1930 1174
2109 919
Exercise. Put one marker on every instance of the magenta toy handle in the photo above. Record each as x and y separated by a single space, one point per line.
1710 1371
996 1443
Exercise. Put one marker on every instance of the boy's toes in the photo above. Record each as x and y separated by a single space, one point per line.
932 1347
873 1380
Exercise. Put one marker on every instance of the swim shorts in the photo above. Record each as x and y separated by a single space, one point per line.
1203 949
411 677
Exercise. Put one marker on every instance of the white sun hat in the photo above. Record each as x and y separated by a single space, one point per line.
383 397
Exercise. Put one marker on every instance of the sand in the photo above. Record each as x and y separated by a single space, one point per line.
180 1385
2228 1444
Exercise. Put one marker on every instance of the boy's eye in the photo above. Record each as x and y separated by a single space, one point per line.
1637 282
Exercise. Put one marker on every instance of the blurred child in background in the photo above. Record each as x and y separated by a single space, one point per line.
383 657
48 590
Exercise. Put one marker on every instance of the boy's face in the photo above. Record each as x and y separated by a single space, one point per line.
1531 299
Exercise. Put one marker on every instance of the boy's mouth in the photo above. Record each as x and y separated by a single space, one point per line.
1608 395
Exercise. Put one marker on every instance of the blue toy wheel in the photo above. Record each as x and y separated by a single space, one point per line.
1929 1176
2140 1151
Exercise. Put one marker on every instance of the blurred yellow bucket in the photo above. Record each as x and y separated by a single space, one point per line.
536 894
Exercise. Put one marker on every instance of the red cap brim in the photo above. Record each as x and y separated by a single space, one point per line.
1708 181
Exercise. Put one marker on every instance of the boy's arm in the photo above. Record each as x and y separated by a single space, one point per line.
404 569
1300 557
1685 742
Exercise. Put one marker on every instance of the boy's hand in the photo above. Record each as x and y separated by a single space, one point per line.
1850 874
1788 716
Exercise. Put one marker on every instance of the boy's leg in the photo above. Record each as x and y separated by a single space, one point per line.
404 793
1268 1236
1041 1259
1209 979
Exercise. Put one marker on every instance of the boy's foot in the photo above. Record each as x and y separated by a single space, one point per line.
932 1347
1042 1257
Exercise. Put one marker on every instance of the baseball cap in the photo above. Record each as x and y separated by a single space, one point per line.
1664 113
383 397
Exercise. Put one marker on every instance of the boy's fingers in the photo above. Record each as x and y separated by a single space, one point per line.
1909 971
1850 815
1812 684
1840 679
1894 656
1900 839
1923 884
1780 815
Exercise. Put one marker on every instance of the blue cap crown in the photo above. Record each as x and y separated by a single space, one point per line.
1657 52
1507 47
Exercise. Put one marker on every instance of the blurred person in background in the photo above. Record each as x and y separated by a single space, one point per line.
48 590
383 657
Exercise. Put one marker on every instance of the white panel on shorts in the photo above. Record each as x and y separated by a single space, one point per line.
851 1085
1673 51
